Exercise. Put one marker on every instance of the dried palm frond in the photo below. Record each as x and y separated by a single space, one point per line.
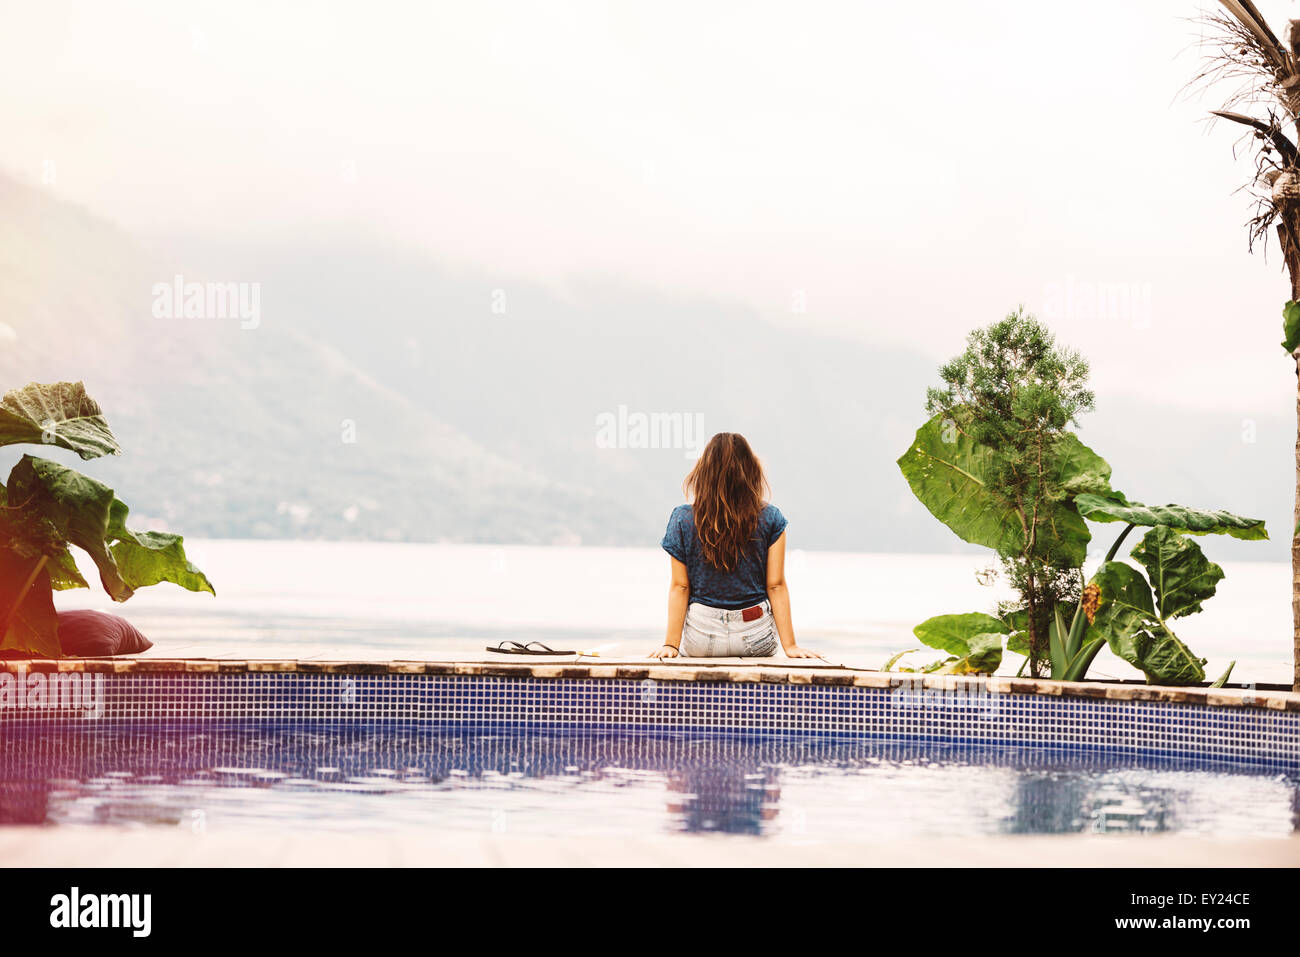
1235 55
1244 51
1246 13
1270 131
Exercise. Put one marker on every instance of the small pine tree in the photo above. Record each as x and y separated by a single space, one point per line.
1014 391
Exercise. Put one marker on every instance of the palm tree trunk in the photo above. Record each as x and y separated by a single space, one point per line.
1295 547
1289 227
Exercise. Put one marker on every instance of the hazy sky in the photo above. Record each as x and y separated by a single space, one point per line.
902 171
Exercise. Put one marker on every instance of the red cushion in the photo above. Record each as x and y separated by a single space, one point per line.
91 634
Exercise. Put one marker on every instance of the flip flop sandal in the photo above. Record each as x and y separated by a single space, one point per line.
532 648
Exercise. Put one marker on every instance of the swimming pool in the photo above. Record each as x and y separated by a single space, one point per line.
610 784
609 750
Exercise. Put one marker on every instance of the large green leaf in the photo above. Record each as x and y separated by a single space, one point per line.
1078 468
1180 574
1180 518
893 659
34 625
947 471
950 474
64 573
983 657
953 633
88 514
1067 531
146 558
1126 617
77 505
1125 604
1291 326
56 414
1163 658
62 568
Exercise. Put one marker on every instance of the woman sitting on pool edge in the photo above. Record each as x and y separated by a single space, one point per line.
728 596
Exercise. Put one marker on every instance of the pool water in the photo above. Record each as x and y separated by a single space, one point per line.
532 783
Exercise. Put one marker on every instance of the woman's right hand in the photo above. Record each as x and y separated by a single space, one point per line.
665 651
797 652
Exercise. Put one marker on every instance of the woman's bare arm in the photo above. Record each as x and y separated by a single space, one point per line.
679 595
778 595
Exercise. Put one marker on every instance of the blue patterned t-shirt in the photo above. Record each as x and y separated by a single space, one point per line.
742 587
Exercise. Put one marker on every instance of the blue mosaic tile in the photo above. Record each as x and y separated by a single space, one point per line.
1253 736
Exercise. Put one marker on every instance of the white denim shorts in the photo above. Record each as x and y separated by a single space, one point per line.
721 633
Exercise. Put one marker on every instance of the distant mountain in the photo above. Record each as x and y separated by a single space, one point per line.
531 375
245 432
380 396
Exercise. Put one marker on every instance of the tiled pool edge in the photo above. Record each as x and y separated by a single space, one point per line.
726 674
1260 729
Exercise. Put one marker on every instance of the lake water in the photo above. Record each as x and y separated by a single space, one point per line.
385 600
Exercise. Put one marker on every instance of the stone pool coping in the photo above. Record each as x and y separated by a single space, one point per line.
820 673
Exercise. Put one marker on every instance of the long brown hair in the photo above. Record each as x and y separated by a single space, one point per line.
730 491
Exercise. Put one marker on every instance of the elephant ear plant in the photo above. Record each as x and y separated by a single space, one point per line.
46 507
973 643
1132 615
998 466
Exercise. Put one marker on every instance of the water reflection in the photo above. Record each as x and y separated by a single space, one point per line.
618 784
22 802
1047 803
723 798
1056 803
